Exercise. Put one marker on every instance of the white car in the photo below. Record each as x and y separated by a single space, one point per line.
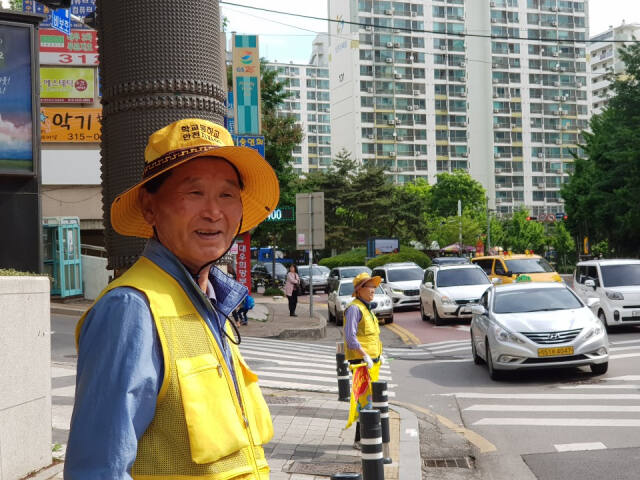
450 291
537 325
401 281
616 283
339 300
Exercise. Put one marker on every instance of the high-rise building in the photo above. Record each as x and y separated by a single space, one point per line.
604 58
494 87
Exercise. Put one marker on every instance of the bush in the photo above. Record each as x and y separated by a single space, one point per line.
352 257
272 292
406 254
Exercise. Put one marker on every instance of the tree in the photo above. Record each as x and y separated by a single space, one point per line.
452 187
446 231
521 234
563 243
410 211
15 5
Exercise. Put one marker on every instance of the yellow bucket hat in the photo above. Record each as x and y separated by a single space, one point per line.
185 140
363 278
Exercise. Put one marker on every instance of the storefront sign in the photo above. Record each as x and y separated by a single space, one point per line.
252 141
76 125
79 8
243 260
67 84
79 48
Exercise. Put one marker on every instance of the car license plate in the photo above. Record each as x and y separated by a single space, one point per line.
636 313
555 351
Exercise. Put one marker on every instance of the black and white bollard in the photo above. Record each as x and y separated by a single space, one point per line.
342 369
371 445
380 401
346 476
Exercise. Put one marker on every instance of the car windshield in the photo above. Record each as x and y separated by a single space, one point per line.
353 272
449 260
461 276
534 300
620 275
280 269
324 270
404 274
529 265
304 272
347 289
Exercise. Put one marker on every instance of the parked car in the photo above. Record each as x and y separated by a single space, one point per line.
319 279
616 284
340 298
261 274
401 281
449 260
339 273
449 291
509 267
528 325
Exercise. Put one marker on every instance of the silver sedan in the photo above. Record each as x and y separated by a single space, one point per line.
339 300
537 325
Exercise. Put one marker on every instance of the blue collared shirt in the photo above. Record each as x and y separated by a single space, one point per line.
120 368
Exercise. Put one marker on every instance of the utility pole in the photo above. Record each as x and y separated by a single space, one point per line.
311 256
460 228
488 246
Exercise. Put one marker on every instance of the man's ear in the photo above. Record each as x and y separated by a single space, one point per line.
145 199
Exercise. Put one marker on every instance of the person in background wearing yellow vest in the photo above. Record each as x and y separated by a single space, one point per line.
162 391
361 329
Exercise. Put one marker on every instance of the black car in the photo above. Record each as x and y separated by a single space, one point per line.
261 274
450 261
339 273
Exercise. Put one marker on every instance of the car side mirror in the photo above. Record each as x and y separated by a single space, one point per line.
428 285
590 283
496 281
592 301
478 310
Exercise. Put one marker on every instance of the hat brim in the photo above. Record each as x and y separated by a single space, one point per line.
260 193
377 280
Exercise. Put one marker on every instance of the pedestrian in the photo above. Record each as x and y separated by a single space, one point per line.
361 329
161 389
247 304
291 289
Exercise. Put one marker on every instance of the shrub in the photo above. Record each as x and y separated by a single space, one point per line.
272 292
352 257
406 254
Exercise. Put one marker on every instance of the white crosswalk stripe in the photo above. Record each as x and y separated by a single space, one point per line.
461 349
295 365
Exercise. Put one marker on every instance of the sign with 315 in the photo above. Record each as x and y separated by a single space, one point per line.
74 125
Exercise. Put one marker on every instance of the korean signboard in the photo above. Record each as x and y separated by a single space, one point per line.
246 83
79 8
243 260
76 125
16 101
62 85
79 48
252 141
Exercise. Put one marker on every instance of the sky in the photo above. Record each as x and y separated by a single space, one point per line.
286 38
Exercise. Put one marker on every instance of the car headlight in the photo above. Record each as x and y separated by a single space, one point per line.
506 336
614 295
387 302
343 305
397 292
447 300
595 330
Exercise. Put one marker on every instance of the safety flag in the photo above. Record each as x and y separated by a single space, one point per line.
361 389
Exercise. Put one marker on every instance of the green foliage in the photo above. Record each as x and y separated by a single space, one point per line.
601 249
410 211
272 292
601 197
452 187
15 5
346 259
521 235
406 254
10 272
563 243
446 231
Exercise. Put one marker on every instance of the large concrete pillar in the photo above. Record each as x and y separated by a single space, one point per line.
159 62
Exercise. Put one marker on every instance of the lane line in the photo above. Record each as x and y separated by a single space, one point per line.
560 422
317 368
618 349
599 387
553 408
623 342
577 447
545 396
623 378
624 355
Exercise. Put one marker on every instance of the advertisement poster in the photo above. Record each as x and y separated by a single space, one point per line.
76 125
16 114
246 83
60 85
79 48
243 260
386 245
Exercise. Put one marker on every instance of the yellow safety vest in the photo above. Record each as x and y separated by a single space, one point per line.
368 333
201 429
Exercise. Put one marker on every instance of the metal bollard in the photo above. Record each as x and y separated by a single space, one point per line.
342 368
380 401
346 476
371 444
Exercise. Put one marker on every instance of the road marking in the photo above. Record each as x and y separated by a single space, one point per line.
618 349
623 378
624 355
560 422
546 396
447 342
457 349
577 447
479 441
622 342
598 387
464 328
457 360
405 335
553 408
412 432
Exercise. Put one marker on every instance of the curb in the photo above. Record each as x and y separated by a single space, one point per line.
307 333
67 311
47 473
409 463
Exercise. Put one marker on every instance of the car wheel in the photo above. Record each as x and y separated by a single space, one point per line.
493 373
389 320
603 319
474 351
424 317
599 368
437 319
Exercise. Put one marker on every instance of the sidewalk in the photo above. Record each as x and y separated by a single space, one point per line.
309 441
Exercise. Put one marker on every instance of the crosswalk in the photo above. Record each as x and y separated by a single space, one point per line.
296 366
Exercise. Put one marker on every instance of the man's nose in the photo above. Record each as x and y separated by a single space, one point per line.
212 209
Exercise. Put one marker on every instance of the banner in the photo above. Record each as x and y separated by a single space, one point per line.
79 48
243 260
75 125
361 389
246 83
62 85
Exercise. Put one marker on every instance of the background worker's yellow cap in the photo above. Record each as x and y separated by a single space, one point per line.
363 278
185 140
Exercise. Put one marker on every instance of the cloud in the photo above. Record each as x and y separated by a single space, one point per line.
15 140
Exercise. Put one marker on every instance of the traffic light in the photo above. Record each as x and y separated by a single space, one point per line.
565 217
530 218
55 4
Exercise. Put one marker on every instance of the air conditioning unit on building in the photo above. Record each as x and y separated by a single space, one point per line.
463 94
463 64
398 121
388 60
494 20
400 139
558 142
498 170
410 60
463 124
556 84
388 12
497 155
496 80
416 92
540 155
389 44
414 14
563 69
578 84
492 4
555 54
564 98
540 185
392 154
557 98
554 24
499 200
463 78
465 154
396 44
367 28
370 137
442 46
397 76
370 89
410 107
554 9
417 153
496 110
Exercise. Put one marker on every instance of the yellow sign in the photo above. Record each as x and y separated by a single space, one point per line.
77 125
585 245
74 84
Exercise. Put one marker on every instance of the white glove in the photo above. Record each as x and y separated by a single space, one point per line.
368 361
383 359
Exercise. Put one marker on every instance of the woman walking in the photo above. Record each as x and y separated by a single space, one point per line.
291 287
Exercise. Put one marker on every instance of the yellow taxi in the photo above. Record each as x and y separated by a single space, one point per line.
508 267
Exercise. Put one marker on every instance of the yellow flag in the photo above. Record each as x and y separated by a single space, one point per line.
361 389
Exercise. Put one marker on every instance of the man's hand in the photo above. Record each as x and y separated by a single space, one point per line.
368 361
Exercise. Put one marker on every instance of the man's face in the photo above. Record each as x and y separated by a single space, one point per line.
367 291
196 211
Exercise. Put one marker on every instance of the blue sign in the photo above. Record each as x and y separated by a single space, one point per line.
229 120
61 20
252 141
79 8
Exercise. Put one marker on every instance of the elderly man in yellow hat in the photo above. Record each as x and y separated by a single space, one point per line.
361 329
162 390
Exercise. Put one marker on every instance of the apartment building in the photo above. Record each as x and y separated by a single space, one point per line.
497 88
604 58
